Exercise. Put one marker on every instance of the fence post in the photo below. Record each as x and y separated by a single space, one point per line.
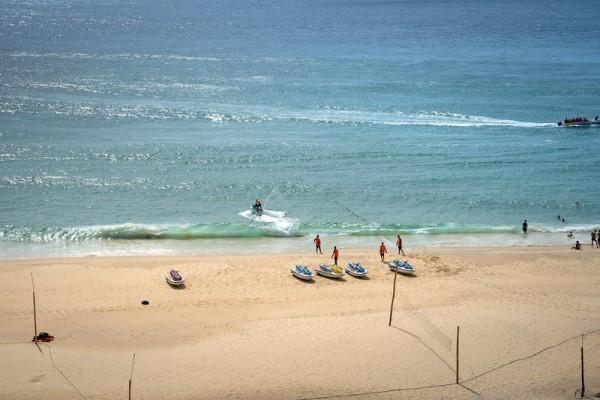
34 311
131 376
582 371
393 295
457 353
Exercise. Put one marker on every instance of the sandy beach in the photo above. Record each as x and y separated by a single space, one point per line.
244 328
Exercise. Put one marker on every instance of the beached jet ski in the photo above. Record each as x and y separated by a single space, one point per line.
302 272
175 278
404 267
356 269
330 271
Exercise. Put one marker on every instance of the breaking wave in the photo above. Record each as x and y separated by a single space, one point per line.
273 225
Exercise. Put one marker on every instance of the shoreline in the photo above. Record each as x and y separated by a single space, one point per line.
306 253
253 246
245 328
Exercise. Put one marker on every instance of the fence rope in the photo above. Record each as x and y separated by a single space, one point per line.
63 374
404 389
516 360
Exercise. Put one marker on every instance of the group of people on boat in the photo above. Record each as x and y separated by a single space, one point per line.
579 121
576 119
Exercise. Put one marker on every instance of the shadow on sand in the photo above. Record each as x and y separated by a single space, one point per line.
308 282
177 287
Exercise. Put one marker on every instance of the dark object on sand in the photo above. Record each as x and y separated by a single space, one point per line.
145 302
43 337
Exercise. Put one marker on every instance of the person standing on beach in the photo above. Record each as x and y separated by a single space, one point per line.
525 226
399 245
594 238
317 241
382 251
335 255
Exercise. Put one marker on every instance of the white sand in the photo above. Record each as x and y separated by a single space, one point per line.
244 328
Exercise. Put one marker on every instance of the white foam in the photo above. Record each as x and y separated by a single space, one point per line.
97 56
431 118
275 219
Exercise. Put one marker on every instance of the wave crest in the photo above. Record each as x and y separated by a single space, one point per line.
276 225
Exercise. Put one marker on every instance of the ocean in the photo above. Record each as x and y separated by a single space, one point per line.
150 127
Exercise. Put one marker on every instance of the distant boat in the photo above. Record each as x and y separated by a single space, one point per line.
579 122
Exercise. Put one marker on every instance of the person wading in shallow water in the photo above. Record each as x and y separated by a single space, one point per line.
525 226
382 251
335 255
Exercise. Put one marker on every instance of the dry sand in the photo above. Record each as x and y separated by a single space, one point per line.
244 328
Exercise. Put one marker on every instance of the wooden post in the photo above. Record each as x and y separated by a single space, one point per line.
34 311
393 295
131 375
582 369
457 353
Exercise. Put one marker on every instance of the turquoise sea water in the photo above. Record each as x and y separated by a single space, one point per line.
130 127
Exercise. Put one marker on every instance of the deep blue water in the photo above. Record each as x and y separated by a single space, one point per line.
138 120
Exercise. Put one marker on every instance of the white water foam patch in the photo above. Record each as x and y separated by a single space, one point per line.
399 118
118 56
274 220
95 86
564 228
255 114
32 105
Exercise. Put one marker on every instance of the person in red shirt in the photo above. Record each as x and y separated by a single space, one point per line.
317 241
335 255
382 251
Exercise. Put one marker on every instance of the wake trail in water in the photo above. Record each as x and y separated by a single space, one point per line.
433 118
276 220
226 113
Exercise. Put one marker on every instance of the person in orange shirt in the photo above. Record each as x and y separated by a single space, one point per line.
382 251
317 241
335 255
